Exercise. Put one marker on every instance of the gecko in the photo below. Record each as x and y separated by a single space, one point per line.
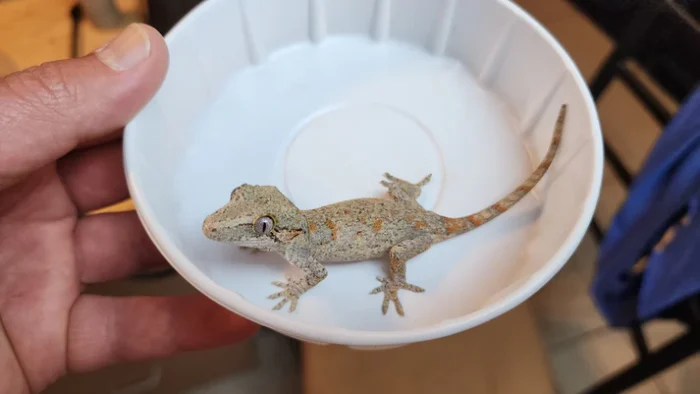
261 218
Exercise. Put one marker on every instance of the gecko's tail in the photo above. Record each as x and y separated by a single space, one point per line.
462 225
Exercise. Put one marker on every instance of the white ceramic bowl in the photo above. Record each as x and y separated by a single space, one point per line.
320 98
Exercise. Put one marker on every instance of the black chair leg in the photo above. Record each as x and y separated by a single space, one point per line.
607 72
639 341
653 105
76 14
610 69
655 362
596 230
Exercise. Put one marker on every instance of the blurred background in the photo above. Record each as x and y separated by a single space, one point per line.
641 59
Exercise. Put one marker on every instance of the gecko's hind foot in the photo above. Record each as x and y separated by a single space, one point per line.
404 190
293 289
391 289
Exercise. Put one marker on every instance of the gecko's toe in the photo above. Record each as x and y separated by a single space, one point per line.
385 305
280 304
398 306
413 288
381 288
425 180
293 306
276 295
290 294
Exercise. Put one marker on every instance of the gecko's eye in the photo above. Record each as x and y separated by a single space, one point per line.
264 225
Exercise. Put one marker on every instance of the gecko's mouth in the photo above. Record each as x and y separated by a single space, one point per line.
226 230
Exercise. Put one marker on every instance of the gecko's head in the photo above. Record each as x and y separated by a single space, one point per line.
257 217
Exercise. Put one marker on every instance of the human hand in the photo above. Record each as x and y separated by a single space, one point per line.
61 157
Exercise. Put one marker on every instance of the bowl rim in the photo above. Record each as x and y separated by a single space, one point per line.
361 338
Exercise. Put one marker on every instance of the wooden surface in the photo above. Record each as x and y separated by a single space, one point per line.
37 31
504 356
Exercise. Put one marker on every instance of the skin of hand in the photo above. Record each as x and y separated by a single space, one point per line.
61 158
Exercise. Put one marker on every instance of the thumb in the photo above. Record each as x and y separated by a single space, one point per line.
49 110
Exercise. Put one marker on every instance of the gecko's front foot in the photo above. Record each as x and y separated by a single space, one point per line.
293 289
391 288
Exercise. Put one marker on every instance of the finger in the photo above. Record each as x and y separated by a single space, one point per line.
94 177
51 109
111 246
106 330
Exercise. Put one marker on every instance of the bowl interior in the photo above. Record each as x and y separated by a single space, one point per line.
322 97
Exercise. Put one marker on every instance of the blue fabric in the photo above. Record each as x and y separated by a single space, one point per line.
667 186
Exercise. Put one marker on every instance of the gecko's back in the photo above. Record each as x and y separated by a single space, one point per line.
364 228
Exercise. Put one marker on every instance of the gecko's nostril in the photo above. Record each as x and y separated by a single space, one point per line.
208 229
